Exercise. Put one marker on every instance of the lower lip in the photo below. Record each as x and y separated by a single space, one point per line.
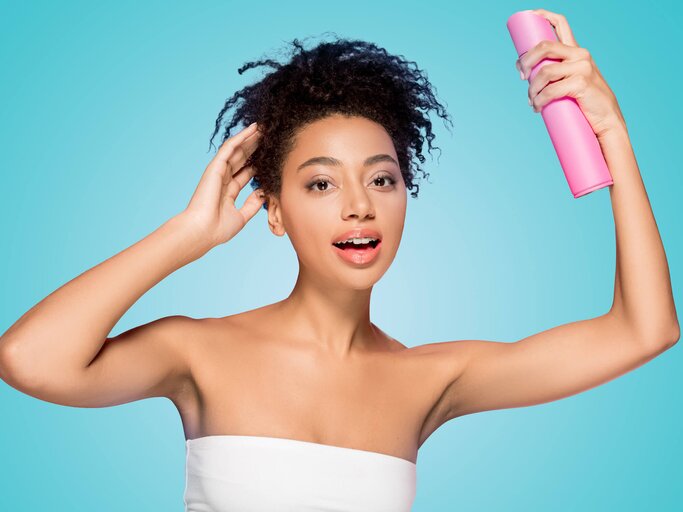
358 256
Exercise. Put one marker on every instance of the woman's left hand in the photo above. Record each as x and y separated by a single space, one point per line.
576 76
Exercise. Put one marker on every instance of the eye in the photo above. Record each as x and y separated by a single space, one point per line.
314 185
385 177
322 181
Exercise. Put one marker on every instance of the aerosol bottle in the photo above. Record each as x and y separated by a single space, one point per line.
574 140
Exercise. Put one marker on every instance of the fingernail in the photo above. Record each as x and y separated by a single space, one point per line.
521 75
530 101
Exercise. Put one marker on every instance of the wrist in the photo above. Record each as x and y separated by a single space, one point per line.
192 235
615 136
616 128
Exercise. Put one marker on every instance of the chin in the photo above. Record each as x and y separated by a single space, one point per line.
360 278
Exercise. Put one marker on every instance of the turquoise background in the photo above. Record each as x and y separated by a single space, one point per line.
107 111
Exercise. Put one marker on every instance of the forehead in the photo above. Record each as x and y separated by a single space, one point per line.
349 139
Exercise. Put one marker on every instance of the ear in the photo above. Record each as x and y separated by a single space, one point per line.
275 216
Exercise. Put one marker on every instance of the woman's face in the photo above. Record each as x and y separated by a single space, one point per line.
358 185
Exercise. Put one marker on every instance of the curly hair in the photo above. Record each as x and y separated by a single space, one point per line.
348 77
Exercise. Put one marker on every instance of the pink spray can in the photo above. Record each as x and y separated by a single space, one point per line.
572 136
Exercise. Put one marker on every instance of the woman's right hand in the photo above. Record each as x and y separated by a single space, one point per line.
212 209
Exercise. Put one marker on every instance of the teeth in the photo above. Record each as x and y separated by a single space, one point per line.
358 241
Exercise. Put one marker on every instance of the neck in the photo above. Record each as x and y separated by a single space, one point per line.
337 320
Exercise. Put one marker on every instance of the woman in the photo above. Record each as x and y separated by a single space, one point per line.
305 404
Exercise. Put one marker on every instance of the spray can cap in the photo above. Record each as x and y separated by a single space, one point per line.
527 29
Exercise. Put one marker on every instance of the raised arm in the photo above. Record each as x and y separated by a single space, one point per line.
59 351
49 352
641 323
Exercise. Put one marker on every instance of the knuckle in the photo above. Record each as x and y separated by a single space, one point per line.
586 66
233 187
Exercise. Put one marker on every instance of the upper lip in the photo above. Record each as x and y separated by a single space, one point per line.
358 233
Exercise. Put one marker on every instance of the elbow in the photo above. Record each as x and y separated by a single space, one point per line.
10 370
6 357
663 339
655 336
675 335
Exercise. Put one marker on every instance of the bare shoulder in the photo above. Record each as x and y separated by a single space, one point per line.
446 360
449 359
199 340
177 333
439 364
435 364
446 354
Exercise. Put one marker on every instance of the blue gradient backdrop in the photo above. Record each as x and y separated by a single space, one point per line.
107 112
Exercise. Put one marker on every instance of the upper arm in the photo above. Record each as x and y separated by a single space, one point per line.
146 361
553 364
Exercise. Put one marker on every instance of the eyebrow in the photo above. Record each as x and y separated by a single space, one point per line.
328 160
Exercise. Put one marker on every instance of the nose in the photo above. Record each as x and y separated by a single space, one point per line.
357 203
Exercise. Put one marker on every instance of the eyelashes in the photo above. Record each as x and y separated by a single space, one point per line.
385 176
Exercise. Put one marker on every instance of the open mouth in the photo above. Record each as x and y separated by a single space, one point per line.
358 254
350 245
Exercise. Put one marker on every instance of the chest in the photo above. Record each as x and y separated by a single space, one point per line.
380 402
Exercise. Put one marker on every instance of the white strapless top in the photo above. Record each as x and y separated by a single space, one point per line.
229 473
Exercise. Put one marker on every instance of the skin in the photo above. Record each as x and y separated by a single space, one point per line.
349 383
329 306
313 367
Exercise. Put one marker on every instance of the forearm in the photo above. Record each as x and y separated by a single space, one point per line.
642 289
67 329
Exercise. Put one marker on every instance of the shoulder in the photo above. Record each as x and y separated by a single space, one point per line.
434 368
445 353
198 338
439 356
437 365
449 359
192 340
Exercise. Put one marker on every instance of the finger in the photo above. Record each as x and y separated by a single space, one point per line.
554 72
559 22
252 205
547 50
235 186
228 146
572 86
240 155
223 162
212 183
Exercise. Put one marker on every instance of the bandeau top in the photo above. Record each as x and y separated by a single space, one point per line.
230 473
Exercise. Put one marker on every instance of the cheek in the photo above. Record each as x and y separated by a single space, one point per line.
393 207
311 229
393 219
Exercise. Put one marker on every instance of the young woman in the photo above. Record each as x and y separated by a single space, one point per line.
305 404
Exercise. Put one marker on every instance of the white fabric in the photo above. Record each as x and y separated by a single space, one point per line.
229 473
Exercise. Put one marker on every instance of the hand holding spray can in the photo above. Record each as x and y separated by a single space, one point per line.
575 143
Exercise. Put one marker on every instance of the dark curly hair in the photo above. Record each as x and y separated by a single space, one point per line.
348 77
